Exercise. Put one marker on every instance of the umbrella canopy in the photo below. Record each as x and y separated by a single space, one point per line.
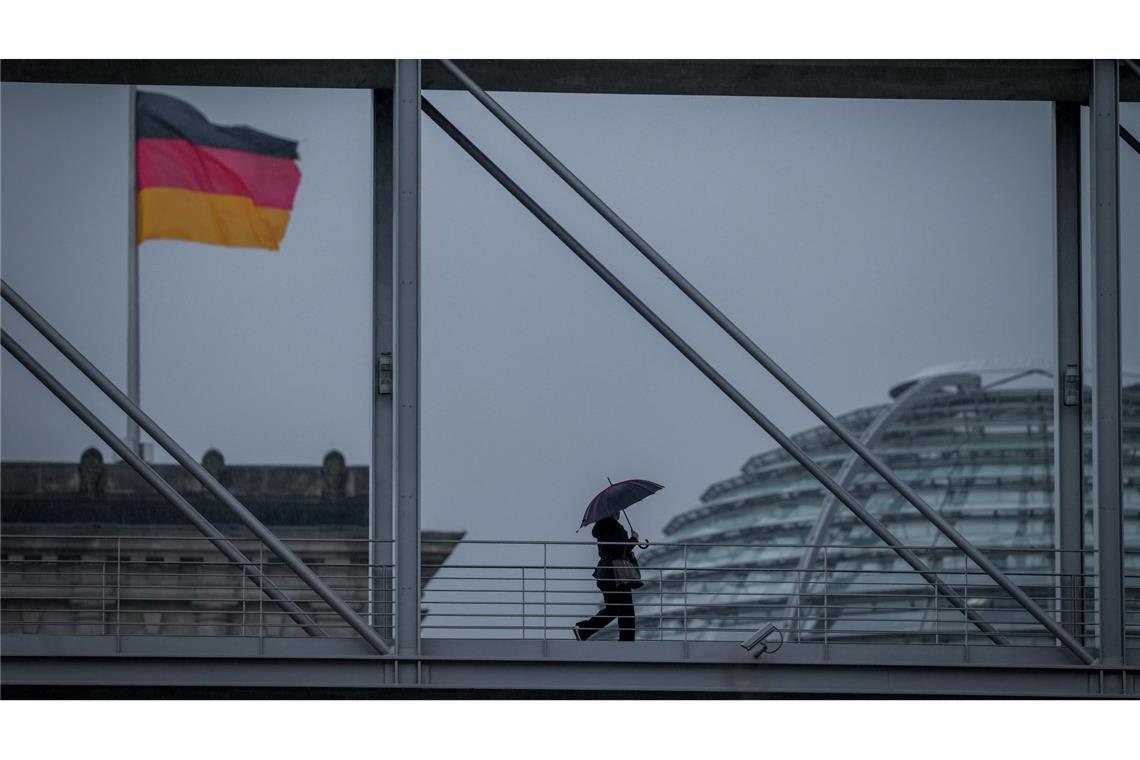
616 497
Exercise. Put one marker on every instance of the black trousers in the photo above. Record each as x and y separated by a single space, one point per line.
619 606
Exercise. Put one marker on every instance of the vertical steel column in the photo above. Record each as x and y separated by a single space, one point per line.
132 273
1104 151
406 357
380 520
1068 382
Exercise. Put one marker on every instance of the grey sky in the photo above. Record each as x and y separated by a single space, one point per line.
857 242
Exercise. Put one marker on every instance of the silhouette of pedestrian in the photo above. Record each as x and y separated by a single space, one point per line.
613 544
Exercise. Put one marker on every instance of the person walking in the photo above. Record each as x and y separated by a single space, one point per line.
614 544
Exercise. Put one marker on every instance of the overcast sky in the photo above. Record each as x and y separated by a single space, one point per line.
856 241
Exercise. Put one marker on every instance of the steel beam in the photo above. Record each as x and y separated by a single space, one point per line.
164 489
1068 383
208 481
781 438
380 494
1131 139
133 325
406 357
1104 152
484 668
722 321
1042 80
906 401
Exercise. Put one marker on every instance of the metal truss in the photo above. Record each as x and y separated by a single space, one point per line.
665 667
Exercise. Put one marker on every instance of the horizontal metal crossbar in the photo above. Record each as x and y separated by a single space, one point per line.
1041 80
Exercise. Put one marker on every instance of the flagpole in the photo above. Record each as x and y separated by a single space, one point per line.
132 276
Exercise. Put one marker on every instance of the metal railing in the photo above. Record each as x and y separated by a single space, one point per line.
181 586
724 592
136 585
1132 597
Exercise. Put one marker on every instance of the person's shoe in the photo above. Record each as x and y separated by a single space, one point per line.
578 633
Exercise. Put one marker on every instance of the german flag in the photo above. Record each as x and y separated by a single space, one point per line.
208 183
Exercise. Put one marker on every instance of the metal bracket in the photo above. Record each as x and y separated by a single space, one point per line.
384 375
1072 386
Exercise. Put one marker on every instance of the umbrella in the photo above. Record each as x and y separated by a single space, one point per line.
616 497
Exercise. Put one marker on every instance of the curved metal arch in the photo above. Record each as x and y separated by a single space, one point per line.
917 392
1005 366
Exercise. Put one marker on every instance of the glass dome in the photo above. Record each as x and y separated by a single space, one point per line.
974 440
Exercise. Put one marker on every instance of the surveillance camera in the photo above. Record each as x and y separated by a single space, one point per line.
760 639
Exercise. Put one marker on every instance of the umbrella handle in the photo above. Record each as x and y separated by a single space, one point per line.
627 522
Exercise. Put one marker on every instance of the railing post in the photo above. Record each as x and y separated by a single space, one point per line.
798 590
241 581
685 595
119 594
934 594
826 593
966 596
544 602
261 599
103 596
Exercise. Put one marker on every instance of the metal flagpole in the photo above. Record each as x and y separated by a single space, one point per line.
132 275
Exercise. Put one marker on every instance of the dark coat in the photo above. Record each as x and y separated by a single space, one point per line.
610 536
613 543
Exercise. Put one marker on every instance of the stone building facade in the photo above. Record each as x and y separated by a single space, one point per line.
88 547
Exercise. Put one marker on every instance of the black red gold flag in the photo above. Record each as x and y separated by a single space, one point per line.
225 185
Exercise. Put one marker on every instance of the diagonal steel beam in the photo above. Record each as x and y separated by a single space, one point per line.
156 481
1130 139
727 388
276 545
870 437
767 362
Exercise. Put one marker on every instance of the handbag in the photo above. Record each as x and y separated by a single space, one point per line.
625 574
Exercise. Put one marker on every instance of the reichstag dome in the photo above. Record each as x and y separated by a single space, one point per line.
974 439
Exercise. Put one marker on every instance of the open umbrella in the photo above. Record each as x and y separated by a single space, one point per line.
616 497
